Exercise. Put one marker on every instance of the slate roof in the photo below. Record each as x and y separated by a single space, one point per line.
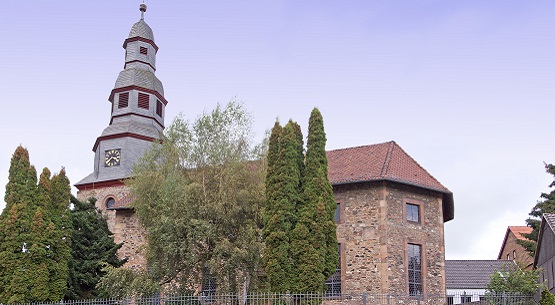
472 274
141 29
384 161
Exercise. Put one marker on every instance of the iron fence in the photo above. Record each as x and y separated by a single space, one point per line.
309 299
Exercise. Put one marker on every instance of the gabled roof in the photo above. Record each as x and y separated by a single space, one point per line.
472 274
517 231
548 219
384 161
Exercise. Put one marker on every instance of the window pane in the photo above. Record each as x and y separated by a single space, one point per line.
413 213
415 269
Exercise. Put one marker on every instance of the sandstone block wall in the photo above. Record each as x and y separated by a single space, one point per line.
374 234
125 226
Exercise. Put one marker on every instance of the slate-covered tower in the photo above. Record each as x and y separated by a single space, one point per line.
137 119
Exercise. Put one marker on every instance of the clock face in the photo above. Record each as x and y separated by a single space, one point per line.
112 157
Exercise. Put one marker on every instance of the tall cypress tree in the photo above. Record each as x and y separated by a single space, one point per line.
282 195
92 246
34 238
318 193
15 228
61 240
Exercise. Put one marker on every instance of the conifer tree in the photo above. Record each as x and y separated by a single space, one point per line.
318 190
34 226
15 228
92 248
284 176
546 205
300 231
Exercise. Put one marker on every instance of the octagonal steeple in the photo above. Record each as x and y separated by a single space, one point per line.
137 110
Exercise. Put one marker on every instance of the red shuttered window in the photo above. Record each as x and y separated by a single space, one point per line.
143 101
159 108
123 100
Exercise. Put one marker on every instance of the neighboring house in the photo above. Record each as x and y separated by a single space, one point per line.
466 280
545 251
390 211
511 250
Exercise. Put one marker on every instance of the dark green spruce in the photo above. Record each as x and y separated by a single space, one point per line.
92 248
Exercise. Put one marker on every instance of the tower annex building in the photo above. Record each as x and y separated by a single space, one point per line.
390 211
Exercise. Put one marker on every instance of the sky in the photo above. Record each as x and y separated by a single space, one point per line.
466 88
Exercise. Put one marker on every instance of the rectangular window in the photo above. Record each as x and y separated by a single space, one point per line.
415 269
143 50
413 212
159 108
337 216
450 300
143 100
334 282
123 100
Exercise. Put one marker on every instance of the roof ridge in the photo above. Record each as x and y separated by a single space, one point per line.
385 165
360 146
420 166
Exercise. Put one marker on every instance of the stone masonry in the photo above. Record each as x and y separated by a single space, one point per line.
122 222
374 233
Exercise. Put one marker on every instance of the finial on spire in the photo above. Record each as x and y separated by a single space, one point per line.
142 8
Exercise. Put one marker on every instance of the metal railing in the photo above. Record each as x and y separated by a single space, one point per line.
310 299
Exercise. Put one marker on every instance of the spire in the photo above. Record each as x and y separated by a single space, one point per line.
142 8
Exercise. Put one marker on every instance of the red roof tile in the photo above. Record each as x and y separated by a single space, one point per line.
519 230
384 161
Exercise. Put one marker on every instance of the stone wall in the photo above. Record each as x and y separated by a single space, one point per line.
374 235
122 222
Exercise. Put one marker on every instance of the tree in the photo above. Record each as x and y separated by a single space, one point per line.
34 234
546 205
299 231
547 298
514 280
92 250
283 193
199 194
319 260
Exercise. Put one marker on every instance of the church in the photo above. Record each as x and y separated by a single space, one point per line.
390 211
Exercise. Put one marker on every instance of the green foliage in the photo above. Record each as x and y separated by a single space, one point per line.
512 279
34 234
200 195
123 282
547 298
92 248
283 183
546 205
299 227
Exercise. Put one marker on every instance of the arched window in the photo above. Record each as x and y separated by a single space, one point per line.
110 203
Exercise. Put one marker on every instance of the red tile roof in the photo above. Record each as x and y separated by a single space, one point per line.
519 230
384 161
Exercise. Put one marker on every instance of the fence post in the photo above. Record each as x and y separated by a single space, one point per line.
364 298
418 298
504 298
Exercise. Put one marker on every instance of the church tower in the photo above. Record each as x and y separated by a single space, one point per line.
136 121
